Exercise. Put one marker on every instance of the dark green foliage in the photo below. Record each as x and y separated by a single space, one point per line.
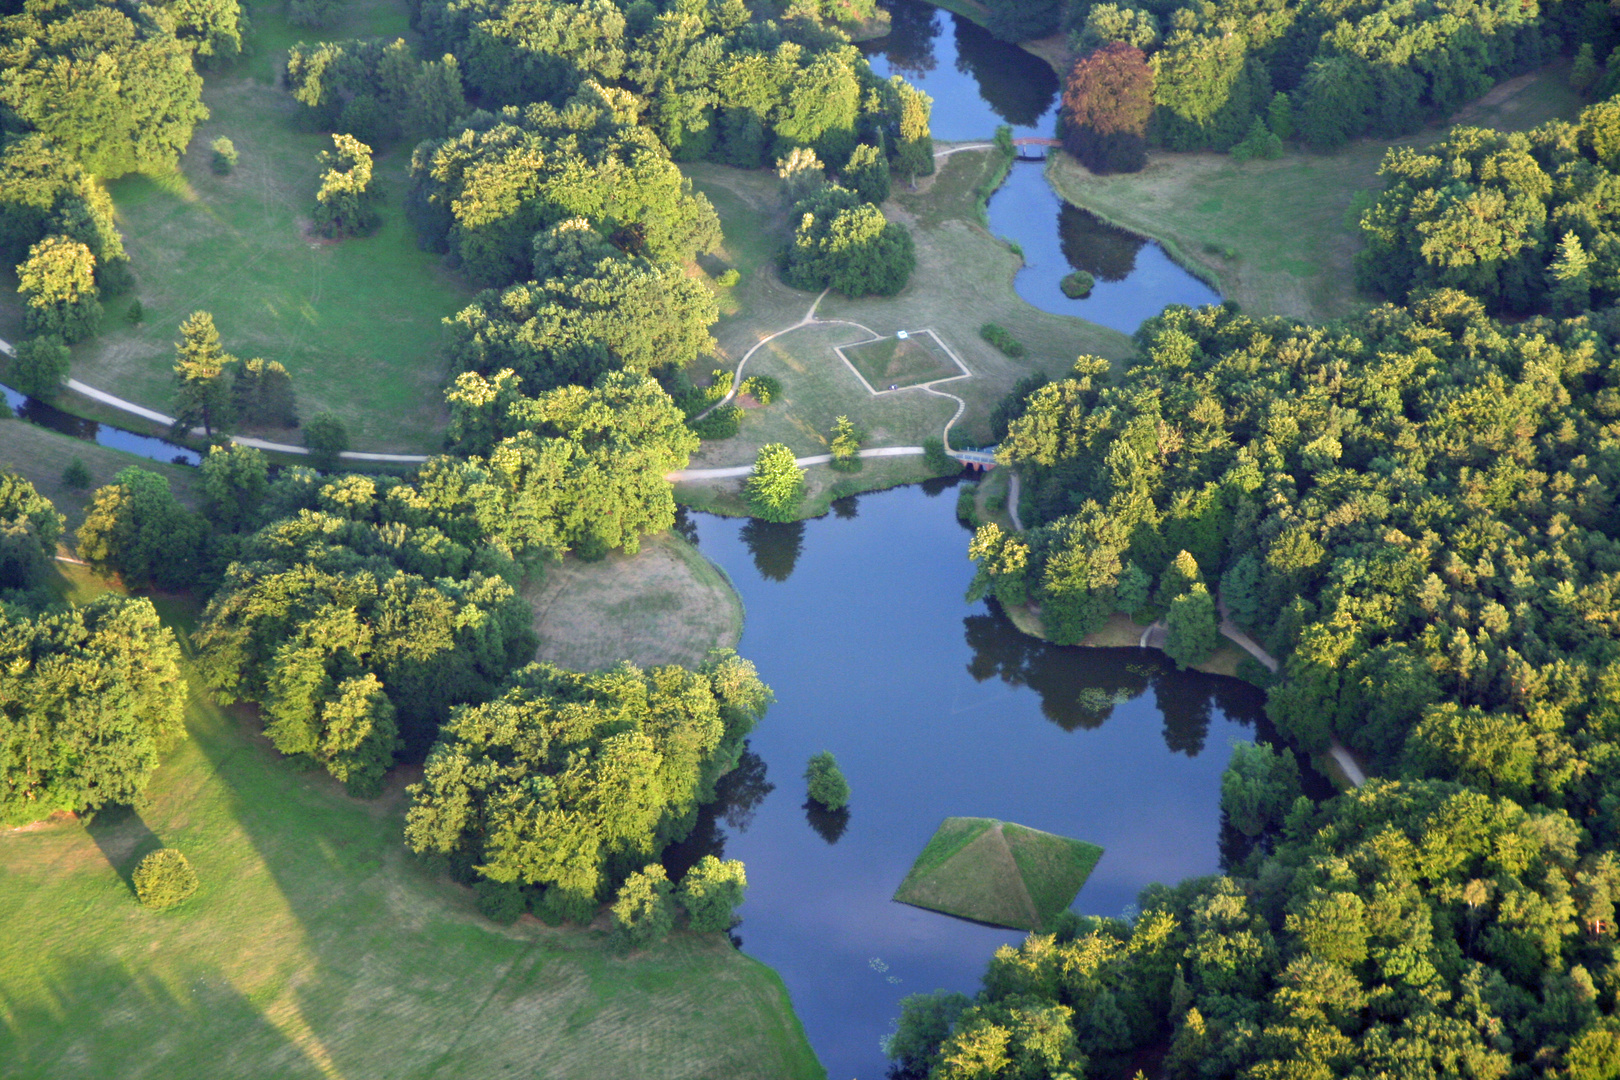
346 204
40 367
1190 627
1024 20
1258 143
327 438
776 486
90 698
1259 787
225 157
1002 339
500 902
825 782
58 285
164 879
262 393
846 244
925 1020
44 192
135 314
1078 284
574 780
711 892
722 423
867 174
113 87
136 528
235 480
76 476
376 91
643 913
938 459
1518 220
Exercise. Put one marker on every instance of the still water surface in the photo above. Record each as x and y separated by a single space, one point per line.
935 707
978 83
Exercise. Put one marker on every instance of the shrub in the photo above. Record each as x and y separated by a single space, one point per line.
938 460
136 313
729 278
40 367
967 510
500 901
554 907
58 284
720 424
76 476
776 486
846 446
826 782
326 438
163 879
643 914
711 891
1002 339
1078 285
763 388
224 162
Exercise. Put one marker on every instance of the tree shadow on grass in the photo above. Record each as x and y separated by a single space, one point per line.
123 838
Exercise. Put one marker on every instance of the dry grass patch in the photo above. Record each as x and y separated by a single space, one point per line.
665 605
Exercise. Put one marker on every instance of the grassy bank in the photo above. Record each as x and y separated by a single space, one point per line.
319 947
42 456
357 322
664 605
1279 236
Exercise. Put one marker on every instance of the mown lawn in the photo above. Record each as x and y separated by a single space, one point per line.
963 280
357 322
319 947
1280 236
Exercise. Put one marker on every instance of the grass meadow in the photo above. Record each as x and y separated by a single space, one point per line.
999 873
665 605
318 946
1280 236
357 322
891 362
42 456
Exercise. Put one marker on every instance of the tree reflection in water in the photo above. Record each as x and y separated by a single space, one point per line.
775 547
1091 244
1019 91
829 824
909 44
1106 678
737 796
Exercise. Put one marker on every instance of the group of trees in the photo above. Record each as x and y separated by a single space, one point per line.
1523 221
1228 74
376 92
214 390
566 784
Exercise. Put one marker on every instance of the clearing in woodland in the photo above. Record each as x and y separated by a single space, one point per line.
319 947
1280 237
665 605
356 322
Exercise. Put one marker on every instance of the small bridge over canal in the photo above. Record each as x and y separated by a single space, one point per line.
976 459
1033 149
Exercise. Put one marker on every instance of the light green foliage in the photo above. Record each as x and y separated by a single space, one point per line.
224 156
89 699
357 736
44 192
802 176
115 89
135 528
58 285
762 388
213 27
1259 787
565 776
164 879
826 783
327 438
40 367
1002 560
776 486
484 194
643 913
1115 22
346 204
575 469
711 892
914 153
235 479
202 395
729 278
867 174
845 445
925 1021
842 243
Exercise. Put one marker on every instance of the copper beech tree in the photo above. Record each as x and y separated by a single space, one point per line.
1106 106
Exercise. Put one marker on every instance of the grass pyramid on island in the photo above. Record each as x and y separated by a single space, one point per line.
998 873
